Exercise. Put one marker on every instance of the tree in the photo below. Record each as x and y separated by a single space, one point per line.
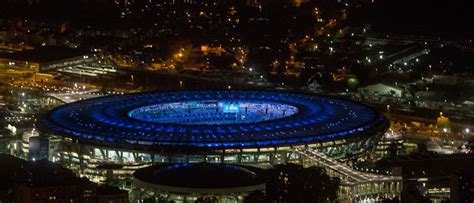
255 197
293 183
317 185
394 200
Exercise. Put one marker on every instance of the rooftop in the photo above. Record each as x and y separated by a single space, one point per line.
199 175
211 120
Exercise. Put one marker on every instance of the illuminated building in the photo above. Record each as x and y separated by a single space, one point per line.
44 59
43 181
435 176
38 148
298 3
127 132
443 124
196 182
391 144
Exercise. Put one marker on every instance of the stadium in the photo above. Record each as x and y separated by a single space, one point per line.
243 127
199 182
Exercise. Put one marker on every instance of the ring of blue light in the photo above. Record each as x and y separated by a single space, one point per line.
106 120
212 112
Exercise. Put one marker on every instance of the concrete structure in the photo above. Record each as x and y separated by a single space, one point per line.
450 179
45 59
381 89
391 142
108 138
194 182
355 186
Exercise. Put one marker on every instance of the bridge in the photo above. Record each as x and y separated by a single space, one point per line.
355 186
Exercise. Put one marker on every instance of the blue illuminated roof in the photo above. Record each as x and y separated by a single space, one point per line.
107 120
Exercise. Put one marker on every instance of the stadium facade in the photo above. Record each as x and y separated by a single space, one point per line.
198 182
125 132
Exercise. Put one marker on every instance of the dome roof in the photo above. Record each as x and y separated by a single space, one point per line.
199 175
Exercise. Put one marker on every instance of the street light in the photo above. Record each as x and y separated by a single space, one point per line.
388 109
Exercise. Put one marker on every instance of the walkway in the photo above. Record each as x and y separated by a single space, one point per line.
355 185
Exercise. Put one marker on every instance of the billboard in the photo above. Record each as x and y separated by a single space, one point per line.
230 108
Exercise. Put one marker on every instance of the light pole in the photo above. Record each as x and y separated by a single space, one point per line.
388 110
